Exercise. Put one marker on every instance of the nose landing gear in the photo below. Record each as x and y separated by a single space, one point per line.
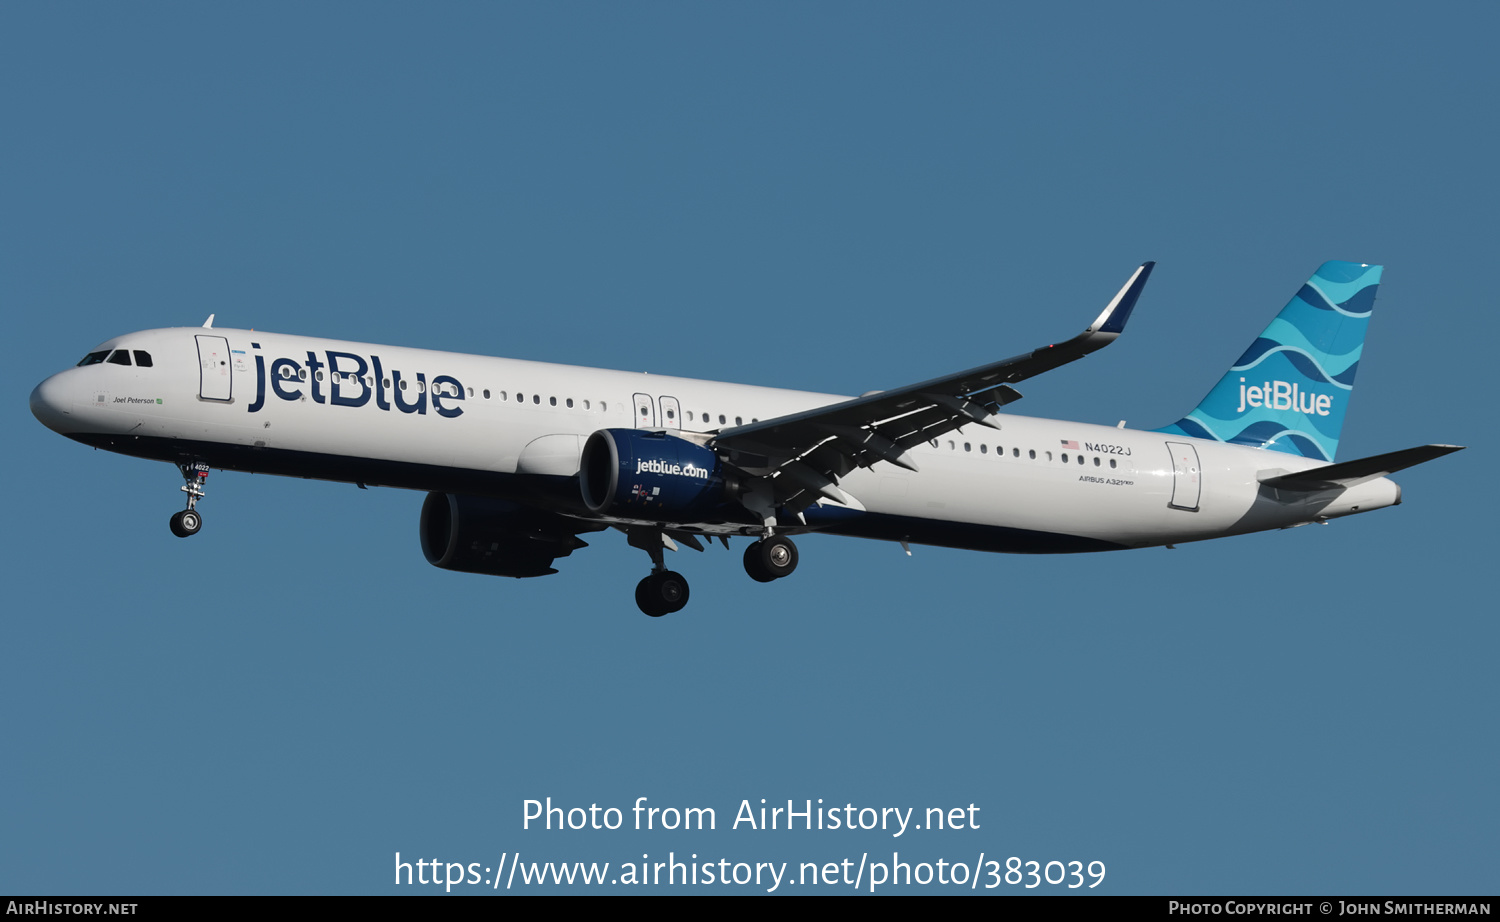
186 523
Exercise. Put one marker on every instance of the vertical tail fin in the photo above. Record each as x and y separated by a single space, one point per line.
1290 389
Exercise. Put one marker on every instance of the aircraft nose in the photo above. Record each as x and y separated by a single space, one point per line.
51 405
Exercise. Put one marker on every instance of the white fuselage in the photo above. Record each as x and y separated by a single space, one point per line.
448 422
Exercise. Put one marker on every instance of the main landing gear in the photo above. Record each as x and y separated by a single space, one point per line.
186 523
666 591
771 558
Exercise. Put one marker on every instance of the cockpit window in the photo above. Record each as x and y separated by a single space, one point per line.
94 358
119 357
142 358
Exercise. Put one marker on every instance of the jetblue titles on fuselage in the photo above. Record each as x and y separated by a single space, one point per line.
354 381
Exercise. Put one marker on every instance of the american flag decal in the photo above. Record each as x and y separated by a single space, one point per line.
1068 444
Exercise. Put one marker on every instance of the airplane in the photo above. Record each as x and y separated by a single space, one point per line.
519 458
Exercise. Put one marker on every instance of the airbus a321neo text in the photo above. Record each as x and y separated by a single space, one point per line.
518 459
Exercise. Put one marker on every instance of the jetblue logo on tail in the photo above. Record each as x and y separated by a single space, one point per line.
1279 395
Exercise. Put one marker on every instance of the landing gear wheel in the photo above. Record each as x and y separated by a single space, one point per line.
770 559
779 556
186 523
753 566
661 593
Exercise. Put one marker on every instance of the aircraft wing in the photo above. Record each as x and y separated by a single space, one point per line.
800 457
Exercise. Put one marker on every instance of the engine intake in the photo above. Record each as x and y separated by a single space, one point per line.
634 473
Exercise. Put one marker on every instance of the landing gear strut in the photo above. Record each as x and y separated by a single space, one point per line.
186 523
771 558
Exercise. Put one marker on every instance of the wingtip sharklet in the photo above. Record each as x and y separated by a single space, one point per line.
1114 317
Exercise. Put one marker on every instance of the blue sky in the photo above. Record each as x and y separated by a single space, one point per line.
832 197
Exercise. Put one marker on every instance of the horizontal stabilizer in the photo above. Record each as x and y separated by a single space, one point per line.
1352 473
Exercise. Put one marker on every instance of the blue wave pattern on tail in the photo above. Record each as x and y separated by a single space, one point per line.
1290 389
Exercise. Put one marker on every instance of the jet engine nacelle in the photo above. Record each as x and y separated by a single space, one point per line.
477 534
634 473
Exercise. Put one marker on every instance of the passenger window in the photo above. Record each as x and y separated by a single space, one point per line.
119 357
570 403
738 421
552 401
486 393
142 359
1032 453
